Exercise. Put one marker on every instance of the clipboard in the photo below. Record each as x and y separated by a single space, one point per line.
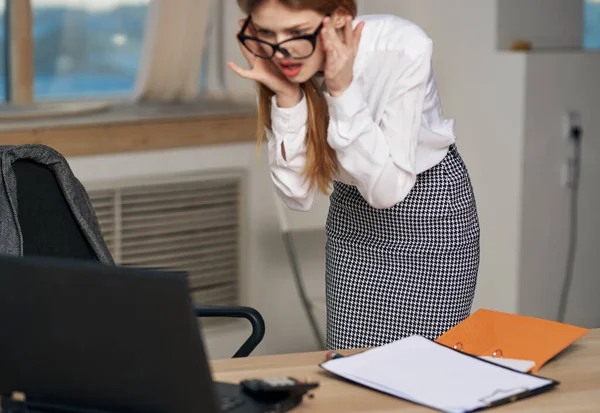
430 374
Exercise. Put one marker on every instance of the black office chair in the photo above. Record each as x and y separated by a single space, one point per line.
50 229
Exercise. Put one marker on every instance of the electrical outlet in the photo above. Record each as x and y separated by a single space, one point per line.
572 120
571 133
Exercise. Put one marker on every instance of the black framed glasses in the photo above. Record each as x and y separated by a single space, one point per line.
297 48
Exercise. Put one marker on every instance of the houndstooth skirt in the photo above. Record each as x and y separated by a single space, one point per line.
407 270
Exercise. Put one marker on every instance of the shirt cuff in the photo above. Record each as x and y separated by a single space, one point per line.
288 120
348 104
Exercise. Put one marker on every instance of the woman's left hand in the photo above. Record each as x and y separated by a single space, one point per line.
340 55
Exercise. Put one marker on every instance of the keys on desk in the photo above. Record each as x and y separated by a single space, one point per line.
260 388
282 394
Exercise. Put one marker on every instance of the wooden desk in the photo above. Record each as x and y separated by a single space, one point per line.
577 368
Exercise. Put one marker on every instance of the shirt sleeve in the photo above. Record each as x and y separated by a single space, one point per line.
381 157
289 129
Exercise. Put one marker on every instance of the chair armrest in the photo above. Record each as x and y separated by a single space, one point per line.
250 314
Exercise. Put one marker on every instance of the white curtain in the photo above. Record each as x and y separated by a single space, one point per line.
189 42
176 35
222 46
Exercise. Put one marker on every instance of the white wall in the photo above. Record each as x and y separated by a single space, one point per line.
554 24
557 83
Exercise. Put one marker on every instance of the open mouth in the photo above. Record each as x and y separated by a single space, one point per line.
290 69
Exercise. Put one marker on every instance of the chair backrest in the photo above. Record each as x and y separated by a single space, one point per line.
296 221
48 225
44 208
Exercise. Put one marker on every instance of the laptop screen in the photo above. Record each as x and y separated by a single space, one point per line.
103 337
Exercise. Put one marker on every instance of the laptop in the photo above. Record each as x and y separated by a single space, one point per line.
105 338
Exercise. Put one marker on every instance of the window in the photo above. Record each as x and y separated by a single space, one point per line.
592 24
3 70
101 49
87 48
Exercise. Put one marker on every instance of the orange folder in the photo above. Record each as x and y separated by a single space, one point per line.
496 334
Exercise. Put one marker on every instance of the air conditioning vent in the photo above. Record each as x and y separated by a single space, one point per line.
181 223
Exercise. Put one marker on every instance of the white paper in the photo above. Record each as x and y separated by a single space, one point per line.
519 365
427 373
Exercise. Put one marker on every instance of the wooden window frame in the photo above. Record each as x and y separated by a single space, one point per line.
20 54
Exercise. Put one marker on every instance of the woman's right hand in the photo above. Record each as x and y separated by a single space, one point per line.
265 72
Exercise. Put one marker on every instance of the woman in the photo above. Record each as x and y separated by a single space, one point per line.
352 102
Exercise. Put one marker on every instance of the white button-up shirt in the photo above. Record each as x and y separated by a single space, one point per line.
386 128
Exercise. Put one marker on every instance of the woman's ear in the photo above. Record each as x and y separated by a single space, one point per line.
338 18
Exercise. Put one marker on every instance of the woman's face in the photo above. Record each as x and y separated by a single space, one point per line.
275 23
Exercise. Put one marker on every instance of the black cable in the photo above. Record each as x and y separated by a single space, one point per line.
574 166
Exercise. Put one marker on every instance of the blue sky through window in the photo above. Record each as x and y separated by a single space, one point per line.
83 48
591 24
87 48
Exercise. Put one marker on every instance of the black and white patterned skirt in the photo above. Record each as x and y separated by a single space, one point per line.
410 269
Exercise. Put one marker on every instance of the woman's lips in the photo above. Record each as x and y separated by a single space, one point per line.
290 69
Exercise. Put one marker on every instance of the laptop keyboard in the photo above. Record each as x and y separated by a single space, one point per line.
229 403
